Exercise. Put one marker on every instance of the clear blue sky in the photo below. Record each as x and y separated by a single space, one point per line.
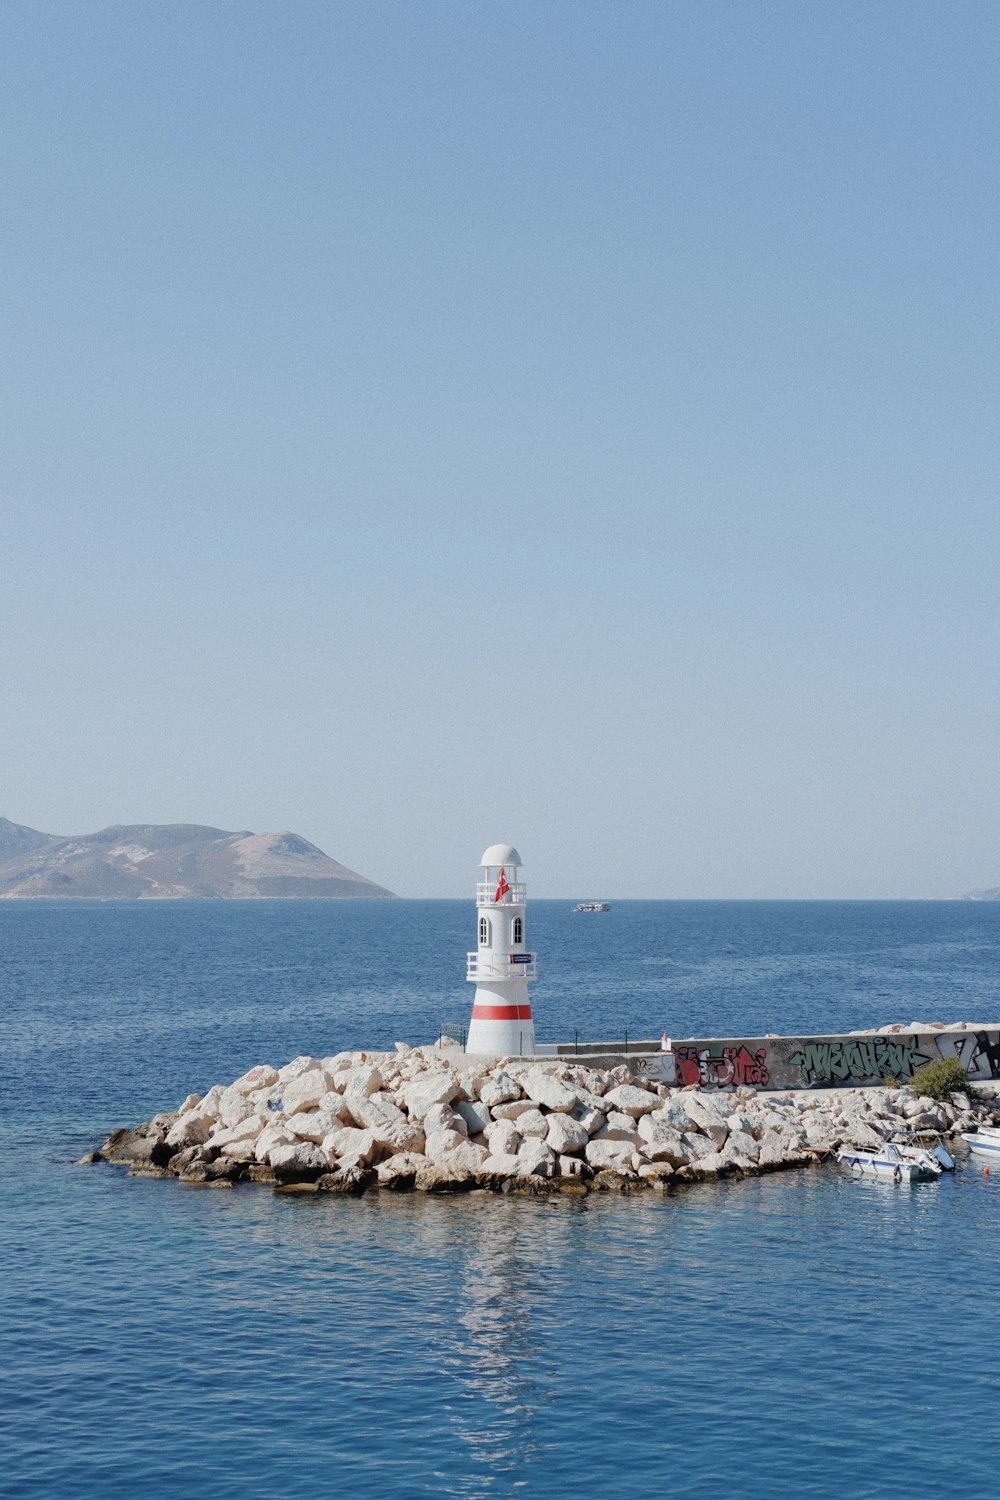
428 424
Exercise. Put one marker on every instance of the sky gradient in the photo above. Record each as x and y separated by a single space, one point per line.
576 424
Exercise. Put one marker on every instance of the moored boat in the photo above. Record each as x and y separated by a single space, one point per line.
895 1160
926 1142
593 906
985 1141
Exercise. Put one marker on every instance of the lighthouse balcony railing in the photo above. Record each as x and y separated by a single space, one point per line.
486 892
488 965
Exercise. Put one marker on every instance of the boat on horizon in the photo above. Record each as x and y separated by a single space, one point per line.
593 906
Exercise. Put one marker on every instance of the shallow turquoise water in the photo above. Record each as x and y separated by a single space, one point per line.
795 1335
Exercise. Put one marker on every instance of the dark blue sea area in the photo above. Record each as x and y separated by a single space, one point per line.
795 1335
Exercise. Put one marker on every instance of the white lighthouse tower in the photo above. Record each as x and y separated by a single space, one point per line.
501 965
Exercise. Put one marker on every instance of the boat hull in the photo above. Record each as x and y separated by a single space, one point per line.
891 1164
982 1144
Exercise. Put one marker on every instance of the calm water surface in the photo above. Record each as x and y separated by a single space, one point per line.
797 1335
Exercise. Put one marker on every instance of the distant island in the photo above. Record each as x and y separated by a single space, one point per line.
988 893
172 862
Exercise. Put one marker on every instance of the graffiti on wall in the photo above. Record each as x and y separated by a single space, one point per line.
979 1056
823 1062
715 1069
858 1058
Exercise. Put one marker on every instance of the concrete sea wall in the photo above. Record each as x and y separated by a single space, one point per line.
845 1060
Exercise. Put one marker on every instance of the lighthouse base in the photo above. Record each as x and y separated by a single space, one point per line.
510 1037
501 1024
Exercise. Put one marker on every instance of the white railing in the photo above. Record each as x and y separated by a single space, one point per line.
487 965
486 892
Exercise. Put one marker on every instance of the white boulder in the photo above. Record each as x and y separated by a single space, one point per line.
246 1130
313 1125
305 1091
632 1101
192 1129
476 1116
535 1159
440 1143
499 1088
587 1100
503 1137
429 1089
444 1117
740 1147
297 1157
564 1135
591 1120
351 1144
260 1077
674 1115
661 1142
623 1128
390 1127
234 1106
271 1136
210 1103
655 1171
542 1088
341 1062
503 1164
296 1068
470 1082
512 1111
704 1108
364 1080
698 1146
533 1125
467 1155
403 1164
615 1156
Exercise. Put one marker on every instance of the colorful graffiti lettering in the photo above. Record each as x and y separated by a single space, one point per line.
864 1058
733 1065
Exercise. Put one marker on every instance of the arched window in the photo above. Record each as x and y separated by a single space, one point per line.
518 930
484 932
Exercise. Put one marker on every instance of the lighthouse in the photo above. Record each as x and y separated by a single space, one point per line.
501 965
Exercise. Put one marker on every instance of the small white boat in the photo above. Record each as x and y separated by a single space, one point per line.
924 1142
593 906
985 1141
900 1162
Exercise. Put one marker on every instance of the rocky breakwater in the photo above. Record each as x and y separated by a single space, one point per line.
417 1119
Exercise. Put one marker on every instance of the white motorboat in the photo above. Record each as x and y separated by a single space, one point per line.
925 1142
895 1160
985 1141
593 906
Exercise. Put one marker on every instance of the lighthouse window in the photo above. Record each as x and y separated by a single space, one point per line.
484 932
518 930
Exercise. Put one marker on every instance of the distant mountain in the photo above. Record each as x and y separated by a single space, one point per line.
16 839
988 893
172 861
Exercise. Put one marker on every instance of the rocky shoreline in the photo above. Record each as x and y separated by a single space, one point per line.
420 1119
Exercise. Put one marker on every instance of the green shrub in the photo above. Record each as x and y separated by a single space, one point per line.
939 1079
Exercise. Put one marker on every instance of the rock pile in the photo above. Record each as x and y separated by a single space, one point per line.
417 1119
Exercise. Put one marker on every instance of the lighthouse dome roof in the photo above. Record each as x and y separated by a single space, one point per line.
500 854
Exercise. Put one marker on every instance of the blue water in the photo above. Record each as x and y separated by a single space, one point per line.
796 1335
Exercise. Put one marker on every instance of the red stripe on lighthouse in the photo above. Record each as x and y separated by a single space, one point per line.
501 1012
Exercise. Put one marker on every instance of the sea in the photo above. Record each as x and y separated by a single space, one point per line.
796 1335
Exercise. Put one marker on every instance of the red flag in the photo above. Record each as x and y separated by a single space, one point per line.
502 886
